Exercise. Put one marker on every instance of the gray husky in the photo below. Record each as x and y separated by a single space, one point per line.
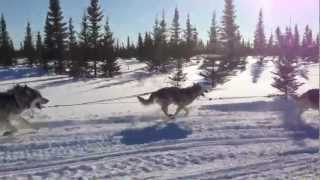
308 100
181 97
14 102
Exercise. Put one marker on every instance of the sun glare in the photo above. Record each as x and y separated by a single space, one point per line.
265 4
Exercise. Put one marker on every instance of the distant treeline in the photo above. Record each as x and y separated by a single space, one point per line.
94 50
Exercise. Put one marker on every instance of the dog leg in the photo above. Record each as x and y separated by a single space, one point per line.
24 124
165 111
10 129
179 108
187 110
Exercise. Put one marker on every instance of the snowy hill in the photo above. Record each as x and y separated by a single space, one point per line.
240 138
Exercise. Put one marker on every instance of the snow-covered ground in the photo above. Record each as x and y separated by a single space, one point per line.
247 138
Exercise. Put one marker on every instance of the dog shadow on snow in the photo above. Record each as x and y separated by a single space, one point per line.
288 113
170 131
136 135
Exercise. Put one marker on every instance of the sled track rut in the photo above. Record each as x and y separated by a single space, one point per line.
103 156
222 149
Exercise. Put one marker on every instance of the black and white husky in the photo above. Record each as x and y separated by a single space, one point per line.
14 102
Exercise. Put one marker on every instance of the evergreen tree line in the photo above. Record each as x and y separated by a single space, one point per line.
93 51
90 52
285 77
164 44
226 48
305 45
175 45
6 45
289 47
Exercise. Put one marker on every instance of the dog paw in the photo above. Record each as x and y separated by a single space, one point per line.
7 133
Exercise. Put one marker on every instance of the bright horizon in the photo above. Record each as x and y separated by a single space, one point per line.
128 18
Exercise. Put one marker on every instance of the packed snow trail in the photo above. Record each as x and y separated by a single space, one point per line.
256 138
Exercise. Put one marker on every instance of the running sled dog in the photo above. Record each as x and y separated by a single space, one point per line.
14 102
181 97
308 100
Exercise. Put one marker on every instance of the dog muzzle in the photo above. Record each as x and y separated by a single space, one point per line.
40 103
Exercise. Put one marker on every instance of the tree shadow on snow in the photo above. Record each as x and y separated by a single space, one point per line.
129 119
22 72
57 83
257 70
114 84
154 133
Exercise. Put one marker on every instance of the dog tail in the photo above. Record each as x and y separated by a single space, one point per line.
146 102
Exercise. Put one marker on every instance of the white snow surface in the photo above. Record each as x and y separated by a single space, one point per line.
240 138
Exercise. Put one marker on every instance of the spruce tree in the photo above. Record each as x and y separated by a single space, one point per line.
128 43
161 51
215 70
95 16
111 66
307 42
59 33
259 37
72 41
12 52
72 50
213 36
175 39
140 48
280 40
305 39
39 49
176 49
317 48
28 46
309 36
156 31
229 29
238 46
6 47
201 47
163 28
129 49
84 44
190 38
158 44
148 49
285 77
48 43
296 40
84 32
157 40
178 77
270 46
195 40
117 49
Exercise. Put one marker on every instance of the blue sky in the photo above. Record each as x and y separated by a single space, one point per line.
129 17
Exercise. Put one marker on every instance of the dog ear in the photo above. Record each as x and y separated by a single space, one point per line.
17 87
